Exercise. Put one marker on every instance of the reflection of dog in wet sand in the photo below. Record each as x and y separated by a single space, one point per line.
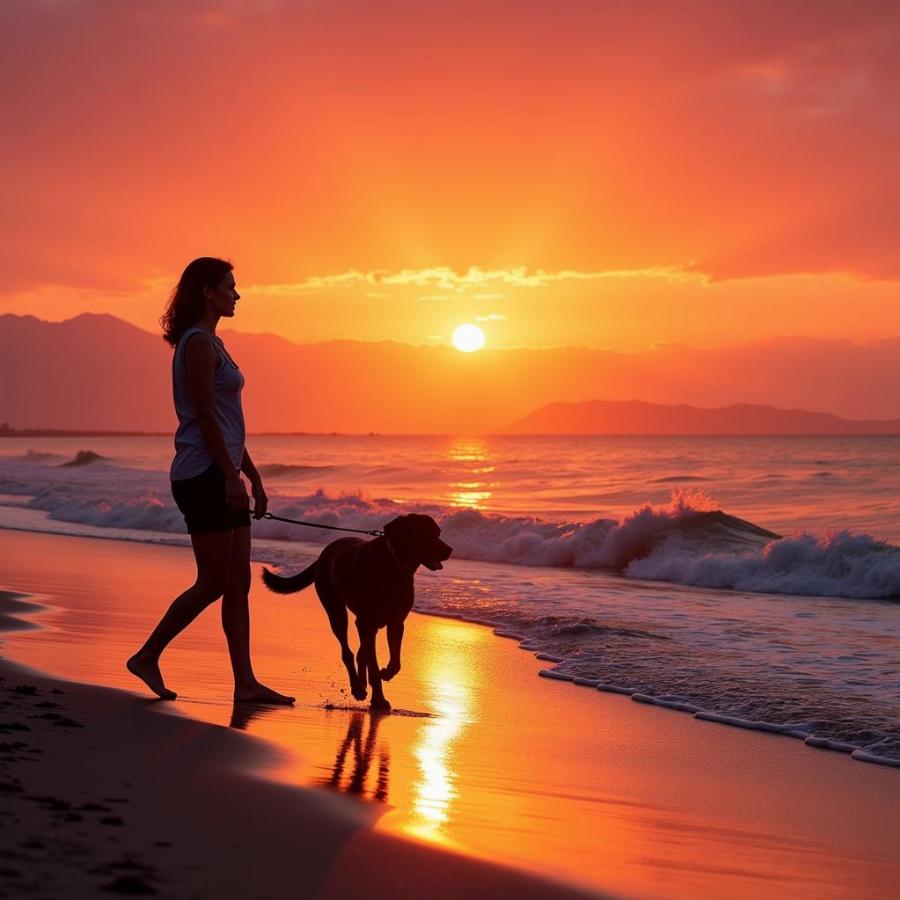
363 751
374 580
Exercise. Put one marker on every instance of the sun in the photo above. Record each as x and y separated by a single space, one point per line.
468 337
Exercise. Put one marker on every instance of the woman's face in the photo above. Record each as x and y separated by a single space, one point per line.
223 297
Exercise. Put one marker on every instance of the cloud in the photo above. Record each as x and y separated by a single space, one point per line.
733 134
447 279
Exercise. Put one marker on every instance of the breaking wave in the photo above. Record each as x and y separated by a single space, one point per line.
688 541
84 458
687 545
281 470
36 456
586 596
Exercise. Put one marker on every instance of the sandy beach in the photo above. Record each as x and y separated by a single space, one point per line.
486 781
102 795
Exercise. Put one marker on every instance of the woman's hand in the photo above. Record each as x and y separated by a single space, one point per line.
235 492
260 500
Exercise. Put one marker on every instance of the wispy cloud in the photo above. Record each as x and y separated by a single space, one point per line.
473 279
491 317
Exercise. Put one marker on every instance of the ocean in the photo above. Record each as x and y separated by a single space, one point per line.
751 580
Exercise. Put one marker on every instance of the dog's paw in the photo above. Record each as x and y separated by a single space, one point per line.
359 693
380 705
388 672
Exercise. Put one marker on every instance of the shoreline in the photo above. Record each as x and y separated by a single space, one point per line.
123 815
500 629
637 801
855 753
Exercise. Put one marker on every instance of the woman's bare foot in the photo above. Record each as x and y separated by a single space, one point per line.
259 693
148 672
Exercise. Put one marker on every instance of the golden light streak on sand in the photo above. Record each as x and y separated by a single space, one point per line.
451 681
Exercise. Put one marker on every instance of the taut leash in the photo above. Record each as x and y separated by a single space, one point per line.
269 515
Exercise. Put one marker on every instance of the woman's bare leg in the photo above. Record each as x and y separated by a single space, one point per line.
212 552
236 624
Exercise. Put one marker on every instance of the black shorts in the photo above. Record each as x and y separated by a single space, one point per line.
201 500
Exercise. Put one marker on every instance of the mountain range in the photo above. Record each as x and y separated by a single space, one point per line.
99 372
636 417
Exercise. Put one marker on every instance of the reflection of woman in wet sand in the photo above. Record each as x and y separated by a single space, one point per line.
206 477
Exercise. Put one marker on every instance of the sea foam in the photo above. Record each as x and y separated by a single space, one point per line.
589 598
687 541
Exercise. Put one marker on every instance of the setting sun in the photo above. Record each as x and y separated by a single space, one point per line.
468 337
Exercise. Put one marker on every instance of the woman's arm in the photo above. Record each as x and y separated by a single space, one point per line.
249 469
260 500
201 360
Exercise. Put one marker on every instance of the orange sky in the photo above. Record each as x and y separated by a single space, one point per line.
608 174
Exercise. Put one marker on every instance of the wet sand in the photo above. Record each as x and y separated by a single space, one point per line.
101 795
482 758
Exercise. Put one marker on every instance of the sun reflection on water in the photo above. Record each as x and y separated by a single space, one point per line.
473 457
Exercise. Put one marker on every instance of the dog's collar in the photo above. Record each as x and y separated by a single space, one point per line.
403 565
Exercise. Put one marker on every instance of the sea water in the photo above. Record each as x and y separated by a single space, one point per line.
750 580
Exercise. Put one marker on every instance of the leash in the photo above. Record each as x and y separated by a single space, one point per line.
269 515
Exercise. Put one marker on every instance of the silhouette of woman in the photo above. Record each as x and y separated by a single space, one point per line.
206 477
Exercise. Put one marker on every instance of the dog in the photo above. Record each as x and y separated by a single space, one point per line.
374 580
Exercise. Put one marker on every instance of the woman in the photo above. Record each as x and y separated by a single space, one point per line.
206 477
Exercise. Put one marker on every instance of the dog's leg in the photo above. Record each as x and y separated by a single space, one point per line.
362 666
370 659
395 640
337 618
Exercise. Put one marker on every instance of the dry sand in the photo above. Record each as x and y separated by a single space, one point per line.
556 780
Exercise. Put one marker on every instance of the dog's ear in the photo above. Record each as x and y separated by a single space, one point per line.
431 524
394 528
401 533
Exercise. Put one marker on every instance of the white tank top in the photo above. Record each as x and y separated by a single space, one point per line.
192 456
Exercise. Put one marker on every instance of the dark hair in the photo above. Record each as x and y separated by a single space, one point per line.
186 303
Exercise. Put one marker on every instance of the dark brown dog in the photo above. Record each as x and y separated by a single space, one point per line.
374 580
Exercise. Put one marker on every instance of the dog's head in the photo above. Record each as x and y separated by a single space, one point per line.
416 539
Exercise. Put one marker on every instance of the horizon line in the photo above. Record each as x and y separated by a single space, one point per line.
70 433
655 347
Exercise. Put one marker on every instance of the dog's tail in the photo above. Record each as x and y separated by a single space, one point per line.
281 585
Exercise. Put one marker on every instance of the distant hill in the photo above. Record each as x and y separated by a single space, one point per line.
636 417
96 372
90 372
